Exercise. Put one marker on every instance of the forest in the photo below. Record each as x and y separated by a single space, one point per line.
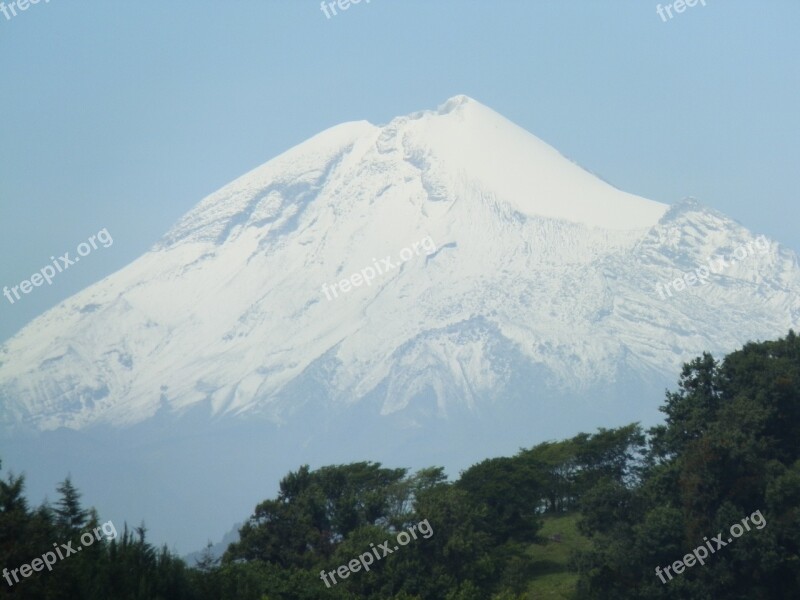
593 516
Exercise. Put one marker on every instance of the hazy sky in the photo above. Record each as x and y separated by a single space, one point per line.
123 115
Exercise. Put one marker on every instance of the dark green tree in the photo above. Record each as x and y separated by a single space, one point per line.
71 518
728 448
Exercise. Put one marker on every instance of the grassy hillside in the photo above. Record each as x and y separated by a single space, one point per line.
551 577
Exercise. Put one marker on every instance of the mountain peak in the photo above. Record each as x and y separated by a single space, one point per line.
454 103
497 252
477 147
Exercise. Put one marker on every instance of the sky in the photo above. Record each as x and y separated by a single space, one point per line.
123 115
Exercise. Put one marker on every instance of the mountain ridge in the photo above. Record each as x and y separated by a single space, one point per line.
538 264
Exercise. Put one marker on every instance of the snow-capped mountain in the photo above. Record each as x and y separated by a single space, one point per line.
504 259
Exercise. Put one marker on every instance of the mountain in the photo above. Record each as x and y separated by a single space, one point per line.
526 255
213 551
447 270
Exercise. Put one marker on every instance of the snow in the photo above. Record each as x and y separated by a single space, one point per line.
469 139
537 261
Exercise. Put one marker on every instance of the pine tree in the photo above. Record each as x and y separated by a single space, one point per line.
70 517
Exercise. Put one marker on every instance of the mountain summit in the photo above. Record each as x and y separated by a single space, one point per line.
514 274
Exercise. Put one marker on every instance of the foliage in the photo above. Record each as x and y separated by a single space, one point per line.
729 447
587 517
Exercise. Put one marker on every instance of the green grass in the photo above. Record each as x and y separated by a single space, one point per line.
551 579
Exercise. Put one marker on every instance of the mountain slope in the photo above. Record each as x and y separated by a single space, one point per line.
508 258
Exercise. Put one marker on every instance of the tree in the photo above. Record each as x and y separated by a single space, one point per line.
70 516
728 448
510 490
316 510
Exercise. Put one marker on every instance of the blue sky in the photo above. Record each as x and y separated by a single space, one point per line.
123 115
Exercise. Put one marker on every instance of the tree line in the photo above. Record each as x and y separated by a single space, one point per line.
729 446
